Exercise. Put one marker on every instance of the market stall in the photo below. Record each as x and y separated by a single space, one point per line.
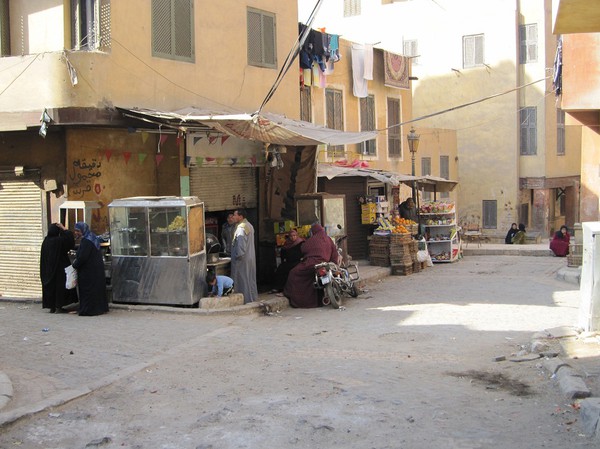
158 250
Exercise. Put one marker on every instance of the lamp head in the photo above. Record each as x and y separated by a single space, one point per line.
413 140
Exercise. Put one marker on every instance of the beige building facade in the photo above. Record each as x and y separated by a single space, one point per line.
81 60
484 70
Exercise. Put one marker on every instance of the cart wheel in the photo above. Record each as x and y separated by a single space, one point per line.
333 296
354 290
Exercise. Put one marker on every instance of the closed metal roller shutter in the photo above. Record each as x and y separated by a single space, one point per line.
21 237
224 188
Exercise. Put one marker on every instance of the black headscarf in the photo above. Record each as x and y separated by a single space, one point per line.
52 249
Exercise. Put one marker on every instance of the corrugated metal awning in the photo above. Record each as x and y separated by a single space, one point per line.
428 183
266 127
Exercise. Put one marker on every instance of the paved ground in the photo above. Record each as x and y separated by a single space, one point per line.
305 378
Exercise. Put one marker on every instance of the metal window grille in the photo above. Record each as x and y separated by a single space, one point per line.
352 8
173 29
411 48
528 51
490 214
393 116
367 123
261 38
473 54
528 119
335 118
426 170
560 132
306 104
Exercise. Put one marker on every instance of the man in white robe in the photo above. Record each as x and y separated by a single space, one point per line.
243 258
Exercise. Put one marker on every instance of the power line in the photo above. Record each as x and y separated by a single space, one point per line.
464 105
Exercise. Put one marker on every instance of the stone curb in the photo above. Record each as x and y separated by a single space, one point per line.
590 417
6 389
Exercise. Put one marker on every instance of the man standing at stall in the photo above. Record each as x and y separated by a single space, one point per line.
243 258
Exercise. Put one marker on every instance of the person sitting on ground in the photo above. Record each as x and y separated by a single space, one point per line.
560 242
291 255
299 288
519 237
219 285
511 233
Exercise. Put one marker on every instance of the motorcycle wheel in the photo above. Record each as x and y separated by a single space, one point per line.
354 290
333 296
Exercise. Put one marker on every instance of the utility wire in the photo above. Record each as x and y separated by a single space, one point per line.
464 105
19 75
291 56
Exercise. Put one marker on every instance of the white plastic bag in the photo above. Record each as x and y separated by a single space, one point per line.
71 277
422 255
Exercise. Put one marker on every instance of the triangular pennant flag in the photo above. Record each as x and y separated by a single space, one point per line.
163 138
178 139
197 139
199 161
211 140
223 139
159 158
142 157
234 160
144 136
108 154
210 159
126 156
130 130
220 160
188 161
253 161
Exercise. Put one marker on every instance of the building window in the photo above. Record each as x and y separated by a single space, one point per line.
306 104
411 49
445 173
426 170
393 116
261 39
490 214
4 29
173 29
367 123
560 132
528 43
334 105
473 51
90 24
528 118
351 8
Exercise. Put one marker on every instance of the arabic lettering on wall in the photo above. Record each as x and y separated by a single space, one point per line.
84 177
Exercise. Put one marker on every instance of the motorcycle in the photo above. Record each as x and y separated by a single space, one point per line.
337 279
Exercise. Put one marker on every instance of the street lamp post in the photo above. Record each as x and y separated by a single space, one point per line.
413 146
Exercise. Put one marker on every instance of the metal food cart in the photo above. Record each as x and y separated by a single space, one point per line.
158 250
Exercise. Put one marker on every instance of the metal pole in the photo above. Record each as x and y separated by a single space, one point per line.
414 190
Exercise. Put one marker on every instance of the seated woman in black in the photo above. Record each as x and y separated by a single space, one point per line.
511 233
291 255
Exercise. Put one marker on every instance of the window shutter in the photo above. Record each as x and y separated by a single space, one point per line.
445 167
490 211
183 28
161 28
394 143
268 27
306 104
261 35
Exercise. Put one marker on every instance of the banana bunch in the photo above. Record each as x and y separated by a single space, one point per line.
177 224
383 224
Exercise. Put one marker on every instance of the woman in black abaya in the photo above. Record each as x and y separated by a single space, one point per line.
90 273
54 258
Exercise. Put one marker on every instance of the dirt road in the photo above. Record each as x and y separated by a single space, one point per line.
408 364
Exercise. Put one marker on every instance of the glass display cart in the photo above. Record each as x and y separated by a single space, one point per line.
158 250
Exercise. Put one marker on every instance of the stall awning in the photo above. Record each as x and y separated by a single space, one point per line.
266 127
428 182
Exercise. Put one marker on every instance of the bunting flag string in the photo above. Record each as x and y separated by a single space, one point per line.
126 156
199 161
197 139
211 140
108 154
159 158
163 138
234 160
144 136
188 161
141 158
223 139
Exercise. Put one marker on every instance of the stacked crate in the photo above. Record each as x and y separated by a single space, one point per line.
400 254
379 250
414 248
